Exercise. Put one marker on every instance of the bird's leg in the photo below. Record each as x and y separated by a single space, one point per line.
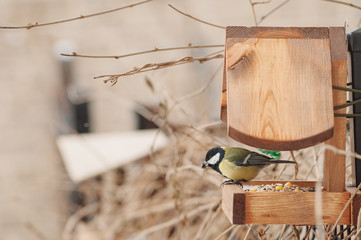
230 181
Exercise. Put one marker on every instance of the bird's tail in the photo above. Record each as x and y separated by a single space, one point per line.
281 161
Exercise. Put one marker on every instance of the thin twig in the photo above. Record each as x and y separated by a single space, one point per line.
307 233
357 233
295 232
234 232
247 233
197 19
209 224
76 217
272 11
253 12
296 165
30 25
343 3
35 231
225 232
190 46
350 235
341 232
265 16
262 2
250 226
113 78
173 221
204 224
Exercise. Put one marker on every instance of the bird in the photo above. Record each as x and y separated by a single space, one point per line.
237 164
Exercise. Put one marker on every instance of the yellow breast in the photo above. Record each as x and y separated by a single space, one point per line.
235 172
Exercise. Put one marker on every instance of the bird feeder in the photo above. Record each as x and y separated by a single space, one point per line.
277 94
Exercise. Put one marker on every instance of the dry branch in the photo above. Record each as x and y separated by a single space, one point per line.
31 25
173 221
272 11
190 46
197 19
113 78
253 4
225 232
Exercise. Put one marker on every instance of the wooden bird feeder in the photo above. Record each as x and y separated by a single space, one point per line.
277 94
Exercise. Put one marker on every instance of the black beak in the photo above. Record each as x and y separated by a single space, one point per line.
204 164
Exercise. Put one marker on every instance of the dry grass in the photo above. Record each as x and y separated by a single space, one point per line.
168 195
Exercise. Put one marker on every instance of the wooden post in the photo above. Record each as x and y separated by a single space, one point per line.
355 50
334 164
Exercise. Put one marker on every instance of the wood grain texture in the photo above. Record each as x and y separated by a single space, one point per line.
277 32
355 207
279 88
233 197
223 115
265 32
294 208
334 164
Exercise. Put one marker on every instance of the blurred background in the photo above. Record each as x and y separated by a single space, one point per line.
42 92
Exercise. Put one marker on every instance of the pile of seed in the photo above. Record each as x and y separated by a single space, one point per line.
278 187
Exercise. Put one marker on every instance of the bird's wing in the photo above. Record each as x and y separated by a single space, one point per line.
237 156
258 159
243 157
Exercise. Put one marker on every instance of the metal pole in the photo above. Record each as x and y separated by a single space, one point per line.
354 46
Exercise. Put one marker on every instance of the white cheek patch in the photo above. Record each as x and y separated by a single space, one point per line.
214 159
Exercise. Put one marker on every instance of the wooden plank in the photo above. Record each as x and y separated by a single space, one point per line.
223 116
277 32
269 74
231 201
294 208
334 164
355 205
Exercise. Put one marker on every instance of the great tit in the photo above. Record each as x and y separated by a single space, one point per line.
237 164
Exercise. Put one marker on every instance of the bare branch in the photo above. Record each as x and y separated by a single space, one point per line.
113 78
190 46
253 4
272 11
31 25
263 2
187 15
344 3
253 12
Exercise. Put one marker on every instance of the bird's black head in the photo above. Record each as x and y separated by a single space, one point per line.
213 157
